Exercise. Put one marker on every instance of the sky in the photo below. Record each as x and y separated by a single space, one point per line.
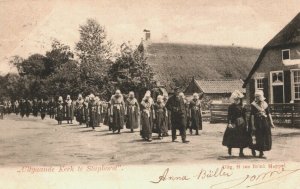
29 26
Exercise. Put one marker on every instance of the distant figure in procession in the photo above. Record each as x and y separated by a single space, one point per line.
86 111
195 114
43 108
59 114
132 112
117 111
147 113
16 107
168 116
35 107
160 113
79 110
69 110
178 115
236 134
261 124
51 108
92 109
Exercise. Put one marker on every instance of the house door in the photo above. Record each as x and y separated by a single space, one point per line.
278 94
277 86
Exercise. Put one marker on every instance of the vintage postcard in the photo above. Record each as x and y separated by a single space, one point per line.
149 94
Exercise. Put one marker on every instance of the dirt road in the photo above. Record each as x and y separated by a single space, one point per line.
32 141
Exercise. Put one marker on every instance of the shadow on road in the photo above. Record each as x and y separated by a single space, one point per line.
235 157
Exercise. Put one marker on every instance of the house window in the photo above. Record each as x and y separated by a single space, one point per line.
297 84
286 54
259 83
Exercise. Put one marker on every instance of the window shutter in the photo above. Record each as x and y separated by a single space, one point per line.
266 89
251 89
287 86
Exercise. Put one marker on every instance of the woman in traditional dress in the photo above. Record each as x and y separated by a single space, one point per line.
168 122
80 118
16 107
35 107
51 108
187 116
43 109
159 117
132 112
86 111
69 110
92 112
236 134
195 114
147 117
99 111
59 116
261 123
117 111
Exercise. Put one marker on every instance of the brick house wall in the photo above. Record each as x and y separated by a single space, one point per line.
272 61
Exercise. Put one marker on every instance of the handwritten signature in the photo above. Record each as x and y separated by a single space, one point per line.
246 181
255 179
203 174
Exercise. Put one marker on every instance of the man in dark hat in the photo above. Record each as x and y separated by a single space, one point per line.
177 107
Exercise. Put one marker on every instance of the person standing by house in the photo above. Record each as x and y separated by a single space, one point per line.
178 116
117 111
132 112
261 124
147 117
195 114
236 134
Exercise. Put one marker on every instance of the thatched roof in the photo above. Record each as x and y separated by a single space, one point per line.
289 35
185 61
220 86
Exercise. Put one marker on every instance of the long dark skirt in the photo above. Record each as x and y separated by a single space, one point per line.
80 116
263 135
132 119
237 137
118 119
196 120
146 124
159 124
59 115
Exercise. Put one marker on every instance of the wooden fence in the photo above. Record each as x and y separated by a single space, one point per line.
286 114
282 114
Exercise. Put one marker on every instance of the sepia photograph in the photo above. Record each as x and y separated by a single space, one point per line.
160 94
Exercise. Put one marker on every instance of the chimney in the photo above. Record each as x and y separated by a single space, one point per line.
147 34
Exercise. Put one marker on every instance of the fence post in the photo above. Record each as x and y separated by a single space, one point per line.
292 121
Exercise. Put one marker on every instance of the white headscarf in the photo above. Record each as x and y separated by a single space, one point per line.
260 93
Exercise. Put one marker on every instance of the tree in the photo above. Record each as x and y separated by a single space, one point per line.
94 52
65 81
57 56
130 72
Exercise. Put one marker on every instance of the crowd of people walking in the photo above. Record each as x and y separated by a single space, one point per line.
157 116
